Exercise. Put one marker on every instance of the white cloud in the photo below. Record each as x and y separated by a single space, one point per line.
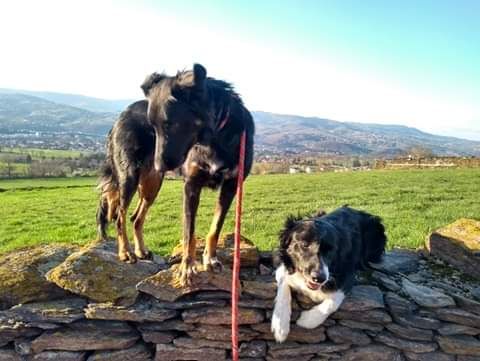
102 49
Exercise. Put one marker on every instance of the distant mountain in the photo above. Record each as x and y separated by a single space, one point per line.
75 100
26 113
55 114
277 133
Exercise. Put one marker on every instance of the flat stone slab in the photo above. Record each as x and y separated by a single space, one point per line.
146 311
249 255
85 337
410 333
169 352
405 345
139 352
164 285
373 316
222 316
195 343
342 334
429 356
291 350
95 272
398 261
9 355
297 334
222 333
11 330
459 316
59 311
425 296
363 298
22 274
460 345
451 329
371 353
458 244
59 355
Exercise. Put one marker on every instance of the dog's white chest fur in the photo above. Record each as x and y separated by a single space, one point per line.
328 303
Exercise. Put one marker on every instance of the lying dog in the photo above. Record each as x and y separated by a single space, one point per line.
320 256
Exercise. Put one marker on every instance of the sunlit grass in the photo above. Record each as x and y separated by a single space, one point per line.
411 203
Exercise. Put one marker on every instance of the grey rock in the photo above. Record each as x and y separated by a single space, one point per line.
371 353
398 261
345 335
59 311
139 352
297 334
459 316
389 339
85 337
375 327
429 356
169 352
195 343
410 333
222 316
467 304
11 330
256 348
450 329
293 349
385 281
158 336
459 345
146 311
222 333
9 355
373 316
170 325
399 305
59 355
476 293
426 296
426 323
363 298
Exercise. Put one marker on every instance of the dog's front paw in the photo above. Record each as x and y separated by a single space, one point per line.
212 264
127 256
186 271
311 319
280 327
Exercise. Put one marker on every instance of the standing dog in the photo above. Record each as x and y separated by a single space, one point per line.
190 120
320 256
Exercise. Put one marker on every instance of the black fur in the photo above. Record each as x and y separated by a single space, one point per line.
188 120
345 239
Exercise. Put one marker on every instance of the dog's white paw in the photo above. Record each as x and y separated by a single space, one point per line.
311 319
280 327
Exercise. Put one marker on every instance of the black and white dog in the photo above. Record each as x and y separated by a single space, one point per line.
320 256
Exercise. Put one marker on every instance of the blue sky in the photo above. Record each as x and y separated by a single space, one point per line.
406 62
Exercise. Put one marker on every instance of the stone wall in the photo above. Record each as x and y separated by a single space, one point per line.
91 307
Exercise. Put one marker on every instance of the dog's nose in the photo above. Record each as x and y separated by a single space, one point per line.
318 276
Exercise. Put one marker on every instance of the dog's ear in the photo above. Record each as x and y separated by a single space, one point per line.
320 213
150 81
285 240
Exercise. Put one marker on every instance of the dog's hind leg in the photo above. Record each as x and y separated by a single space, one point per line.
148 188
127 188
227 193
191 198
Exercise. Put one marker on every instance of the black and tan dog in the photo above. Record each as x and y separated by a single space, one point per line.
320 256
188 119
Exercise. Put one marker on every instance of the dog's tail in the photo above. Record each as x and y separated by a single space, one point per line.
375 240
109 197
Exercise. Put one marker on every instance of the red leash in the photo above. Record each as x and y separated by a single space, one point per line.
236 255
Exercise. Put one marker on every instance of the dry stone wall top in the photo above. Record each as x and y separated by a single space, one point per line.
410 307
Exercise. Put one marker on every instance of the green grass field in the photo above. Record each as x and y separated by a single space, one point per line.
412 203
38 153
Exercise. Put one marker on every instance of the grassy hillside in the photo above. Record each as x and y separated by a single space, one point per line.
412 203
